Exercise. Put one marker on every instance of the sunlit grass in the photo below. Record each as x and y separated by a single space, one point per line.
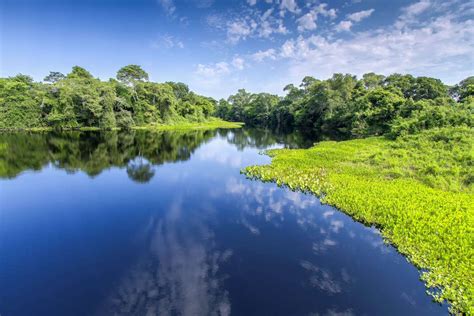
183 125
418 190
208 124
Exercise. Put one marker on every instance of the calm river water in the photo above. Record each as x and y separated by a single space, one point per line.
144 223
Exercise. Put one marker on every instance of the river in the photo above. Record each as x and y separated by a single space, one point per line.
163 223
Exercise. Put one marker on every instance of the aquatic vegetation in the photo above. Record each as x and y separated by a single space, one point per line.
417 189
212 123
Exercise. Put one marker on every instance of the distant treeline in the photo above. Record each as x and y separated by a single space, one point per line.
352 107
79 100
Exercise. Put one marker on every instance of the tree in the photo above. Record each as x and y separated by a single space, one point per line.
463 90
79 72
429 88
131 73
54 77
372 80
375 112
403 83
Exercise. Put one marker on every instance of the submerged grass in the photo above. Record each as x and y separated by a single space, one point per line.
417 189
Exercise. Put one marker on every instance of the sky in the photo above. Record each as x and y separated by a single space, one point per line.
219 46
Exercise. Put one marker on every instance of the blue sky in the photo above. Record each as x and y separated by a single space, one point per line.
218 46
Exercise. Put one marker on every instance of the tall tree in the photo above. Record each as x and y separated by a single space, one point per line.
131 73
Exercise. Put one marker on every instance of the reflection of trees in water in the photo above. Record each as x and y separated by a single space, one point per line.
178 273
140 171
263 138
92 152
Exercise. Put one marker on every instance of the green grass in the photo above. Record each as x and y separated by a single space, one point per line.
418 190
210 124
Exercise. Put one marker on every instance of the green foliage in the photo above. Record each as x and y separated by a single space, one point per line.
374 105
464 90
418 189
79 100
131 73
20 103
54 77
427 114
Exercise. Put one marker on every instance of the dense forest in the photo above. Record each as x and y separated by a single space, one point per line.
351 107
79 100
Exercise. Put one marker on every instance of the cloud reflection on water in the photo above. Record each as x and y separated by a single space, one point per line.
178 273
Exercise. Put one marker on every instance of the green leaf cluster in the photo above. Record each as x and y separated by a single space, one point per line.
78 100
346 106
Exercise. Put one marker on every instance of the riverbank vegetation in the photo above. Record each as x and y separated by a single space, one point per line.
346 106
410 170
80 101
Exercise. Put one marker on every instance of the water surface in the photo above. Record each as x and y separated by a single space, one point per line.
143 223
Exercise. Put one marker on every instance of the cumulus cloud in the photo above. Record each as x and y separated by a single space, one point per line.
359 16
264 54
240 30
436 48
252 24
212 75
352 18
344 26
212 70
308 20
289 5
411 12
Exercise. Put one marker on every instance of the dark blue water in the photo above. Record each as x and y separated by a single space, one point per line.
164 224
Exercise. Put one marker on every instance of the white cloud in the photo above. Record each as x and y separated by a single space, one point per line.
252 2
212 71
238 63
262 55
417 8
254 24
322 10
168 6
289 5
359 16
344 26
411 12
438 48
211 76
288 49
239 30
308 21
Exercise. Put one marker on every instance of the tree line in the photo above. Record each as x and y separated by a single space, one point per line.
79 100
351 107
